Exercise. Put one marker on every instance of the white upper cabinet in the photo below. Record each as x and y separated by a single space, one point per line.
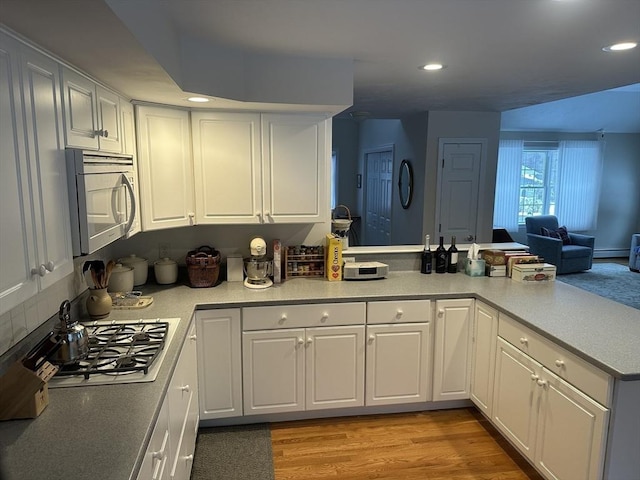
227 167
260 168
127 127
296 168
92 114
35 238
164 167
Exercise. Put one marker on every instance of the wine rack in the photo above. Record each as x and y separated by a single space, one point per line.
304 261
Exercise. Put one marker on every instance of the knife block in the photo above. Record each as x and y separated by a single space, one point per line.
24 392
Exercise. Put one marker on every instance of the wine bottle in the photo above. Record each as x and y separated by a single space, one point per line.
452 257
427 257
441 257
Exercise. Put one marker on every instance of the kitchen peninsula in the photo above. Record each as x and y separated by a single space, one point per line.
600 332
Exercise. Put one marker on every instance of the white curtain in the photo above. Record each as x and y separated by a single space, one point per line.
579 177
507 201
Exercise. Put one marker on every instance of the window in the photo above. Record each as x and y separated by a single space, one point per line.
554 178
538 174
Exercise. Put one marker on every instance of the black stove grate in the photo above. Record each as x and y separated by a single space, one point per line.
120 349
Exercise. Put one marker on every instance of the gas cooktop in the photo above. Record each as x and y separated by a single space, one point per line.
120 352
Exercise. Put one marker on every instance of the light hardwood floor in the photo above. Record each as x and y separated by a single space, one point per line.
447 444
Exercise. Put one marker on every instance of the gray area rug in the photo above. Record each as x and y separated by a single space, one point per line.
610 280
233 453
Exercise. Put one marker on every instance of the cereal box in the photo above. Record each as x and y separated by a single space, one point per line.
333 259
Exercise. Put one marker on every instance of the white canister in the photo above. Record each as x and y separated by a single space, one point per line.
166 271
140 268
121 279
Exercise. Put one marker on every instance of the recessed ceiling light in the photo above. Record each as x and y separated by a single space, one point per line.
619 47
198 99
432 66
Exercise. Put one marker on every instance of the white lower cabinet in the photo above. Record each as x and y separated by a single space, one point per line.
155 465
303 369
219 363
452 349
398 367
317 363
170 451
183 409
556 426
483 356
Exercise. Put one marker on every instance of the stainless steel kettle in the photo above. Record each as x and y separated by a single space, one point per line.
71 336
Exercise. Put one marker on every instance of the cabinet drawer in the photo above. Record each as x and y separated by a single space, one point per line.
591 380
155 459
302 316
405 311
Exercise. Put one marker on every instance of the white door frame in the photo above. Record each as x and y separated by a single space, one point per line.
483 162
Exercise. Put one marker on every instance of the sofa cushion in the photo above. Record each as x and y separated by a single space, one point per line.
560 233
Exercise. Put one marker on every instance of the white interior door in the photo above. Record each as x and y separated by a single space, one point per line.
458 187
377 206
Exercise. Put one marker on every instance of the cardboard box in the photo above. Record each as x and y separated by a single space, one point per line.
518 259
474 268
333 258
495 270
534 272
494 257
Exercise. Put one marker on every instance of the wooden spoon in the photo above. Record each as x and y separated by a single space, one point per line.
107 276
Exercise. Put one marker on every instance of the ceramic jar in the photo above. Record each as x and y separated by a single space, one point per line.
166 271
121 279
140 268
98 303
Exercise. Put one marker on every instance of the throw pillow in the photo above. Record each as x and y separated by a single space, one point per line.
561 233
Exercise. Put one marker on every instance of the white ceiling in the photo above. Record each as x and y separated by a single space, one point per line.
499 55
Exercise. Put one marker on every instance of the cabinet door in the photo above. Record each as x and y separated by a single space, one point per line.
227 167
164 167
128 127
516 398
483 356
219 363
295 151
45 147
81 117
571 432
398 364
17 245
273 371
183 408
334 367
110 135
452 349
154 464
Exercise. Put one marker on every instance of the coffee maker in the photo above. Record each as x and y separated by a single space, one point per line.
258 267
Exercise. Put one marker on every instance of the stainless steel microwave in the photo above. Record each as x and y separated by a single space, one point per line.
103 199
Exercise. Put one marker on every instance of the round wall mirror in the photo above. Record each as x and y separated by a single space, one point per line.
405 183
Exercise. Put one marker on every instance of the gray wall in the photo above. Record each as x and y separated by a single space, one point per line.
619 209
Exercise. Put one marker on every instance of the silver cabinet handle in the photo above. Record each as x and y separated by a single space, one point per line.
559 363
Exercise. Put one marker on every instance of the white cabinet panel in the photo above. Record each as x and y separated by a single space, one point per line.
295 152
273 371
334 367
17 235
483 356
155 465
165 169
401 311
91 113
452 349
227 167
297 316
219 363
128 127
398 364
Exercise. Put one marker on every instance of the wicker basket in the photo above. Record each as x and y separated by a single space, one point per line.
203 266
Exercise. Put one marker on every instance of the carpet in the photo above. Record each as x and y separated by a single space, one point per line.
610 280
233 453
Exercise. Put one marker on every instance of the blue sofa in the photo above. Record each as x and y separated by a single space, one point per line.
575 257
634 254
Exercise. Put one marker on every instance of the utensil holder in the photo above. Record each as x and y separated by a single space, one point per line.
98 303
